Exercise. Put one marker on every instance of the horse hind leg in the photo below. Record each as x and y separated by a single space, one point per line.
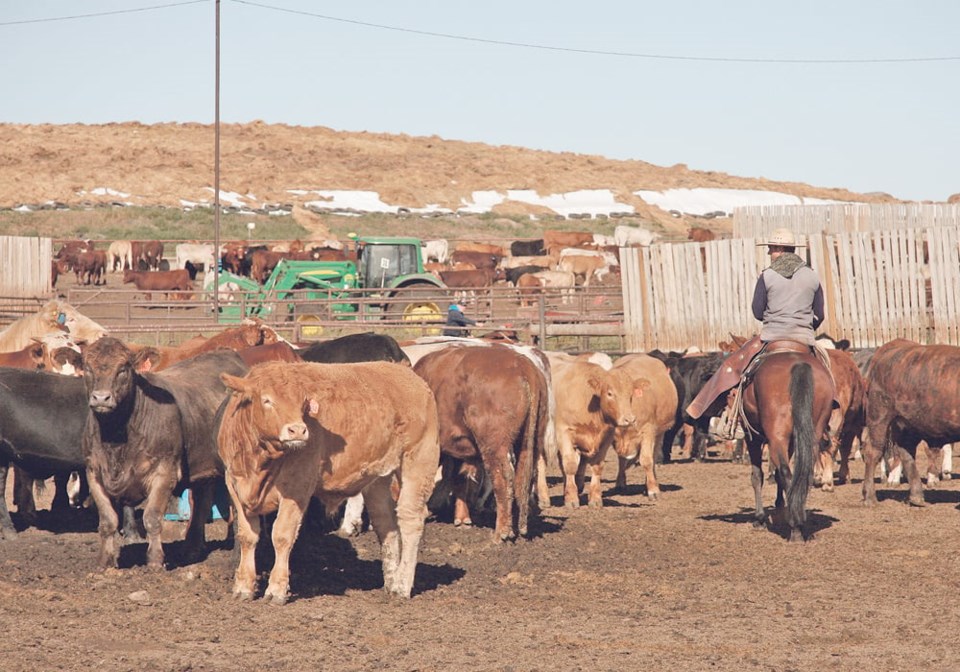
755 449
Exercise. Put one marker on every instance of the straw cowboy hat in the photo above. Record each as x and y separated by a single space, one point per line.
782 238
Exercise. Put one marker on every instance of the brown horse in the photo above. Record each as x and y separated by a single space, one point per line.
787 403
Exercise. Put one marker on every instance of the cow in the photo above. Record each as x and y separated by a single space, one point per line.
846 421
531 283
628 236
689 374
31 440
294 431
90 266
120 256
583 266
149 435
483 248
493 406
480 260
147 254
363 347
591 404
547 262
54 317
198 254
911 396
513 274
554 241
468 281
654 403
251 332
281 351
699 234
527 248
159 281
436 250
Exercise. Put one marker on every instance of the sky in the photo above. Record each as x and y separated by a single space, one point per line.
829 93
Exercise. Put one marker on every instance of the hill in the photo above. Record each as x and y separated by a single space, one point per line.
173 164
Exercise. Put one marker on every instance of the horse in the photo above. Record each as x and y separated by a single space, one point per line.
787 401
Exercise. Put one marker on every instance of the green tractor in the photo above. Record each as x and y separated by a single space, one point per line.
387 278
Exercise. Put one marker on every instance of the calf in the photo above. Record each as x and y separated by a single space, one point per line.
148 435
295 431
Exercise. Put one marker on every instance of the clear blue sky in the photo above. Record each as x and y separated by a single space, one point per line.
879 126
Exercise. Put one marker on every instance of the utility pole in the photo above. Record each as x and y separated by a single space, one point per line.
216 176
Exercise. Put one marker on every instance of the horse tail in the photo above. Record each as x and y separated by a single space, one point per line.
801 402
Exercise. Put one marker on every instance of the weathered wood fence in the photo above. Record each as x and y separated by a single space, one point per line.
878 286
25 266
756 221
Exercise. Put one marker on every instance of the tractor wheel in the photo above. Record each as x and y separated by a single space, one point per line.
417 304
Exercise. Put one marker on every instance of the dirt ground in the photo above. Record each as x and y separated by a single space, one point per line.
684 584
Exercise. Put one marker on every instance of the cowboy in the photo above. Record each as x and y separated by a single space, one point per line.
788 300
456 321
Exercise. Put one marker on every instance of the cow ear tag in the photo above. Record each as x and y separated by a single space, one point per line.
61 318
314 406
638 391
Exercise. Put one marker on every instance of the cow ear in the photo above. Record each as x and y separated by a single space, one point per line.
145 359
595 384
235 383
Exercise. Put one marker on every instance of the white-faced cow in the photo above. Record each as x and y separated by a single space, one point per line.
295 431
150 434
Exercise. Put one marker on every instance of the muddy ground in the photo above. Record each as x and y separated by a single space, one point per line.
684 584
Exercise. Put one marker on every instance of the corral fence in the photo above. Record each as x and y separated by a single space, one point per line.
757 221
878 286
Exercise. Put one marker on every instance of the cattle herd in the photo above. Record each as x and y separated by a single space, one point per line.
399 429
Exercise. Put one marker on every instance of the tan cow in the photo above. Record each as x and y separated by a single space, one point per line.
591 403
654 404
295 431
554 241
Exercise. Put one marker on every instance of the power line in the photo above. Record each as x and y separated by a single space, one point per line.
98 14
598 52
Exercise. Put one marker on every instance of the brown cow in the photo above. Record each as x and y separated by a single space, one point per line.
482 248
493 407
281 351
250 333
480 260
146 254
846 421
90 266
149 434
699 234
912 395
654 402
554 241
165 281
591 403
583 266
295 431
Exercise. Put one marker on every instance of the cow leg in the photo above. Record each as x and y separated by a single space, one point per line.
383 520
569 465
352 522
23 496
199 513
285 529
648 447
543 490
154 509
824 466
109 523
501 472
595 492
908 455
248 534
7 530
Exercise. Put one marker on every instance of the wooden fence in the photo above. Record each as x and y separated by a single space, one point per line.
878 286
25 266
757 221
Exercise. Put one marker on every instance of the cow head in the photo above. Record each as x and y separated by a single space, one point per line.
110 370
613 391
277 409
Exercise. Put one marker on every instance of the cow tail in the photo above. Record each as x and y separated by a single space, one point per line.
526 464
801 402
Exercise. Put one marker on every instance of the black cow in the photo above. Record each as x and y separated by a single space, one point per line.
513 273
527 248
365 347
149 435
41 420
689 374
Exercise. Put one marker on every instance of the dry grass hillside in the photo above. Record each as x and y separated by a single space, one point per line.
164 163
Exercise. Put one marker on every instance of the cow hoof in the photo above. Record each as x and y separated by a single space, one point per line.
654 496
572 504
277 597
796 535
917 501
595 503
827 487
870 502
544 504
466 522
348 533
243 595
8 533
759 524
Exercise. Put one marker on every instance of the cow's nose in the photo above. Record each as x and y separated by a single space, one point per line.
294 431
101 399
628 420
